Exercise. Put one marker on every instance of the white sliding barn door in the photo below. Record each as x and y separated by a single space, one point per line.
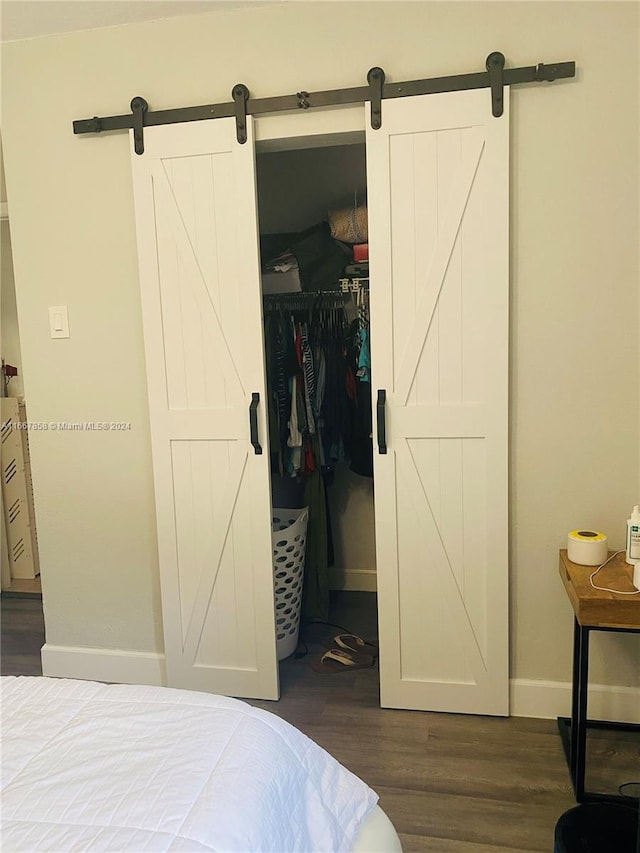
438 231
200 286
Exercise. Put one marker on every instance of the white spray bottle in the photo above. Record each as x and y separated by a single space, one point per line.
633 544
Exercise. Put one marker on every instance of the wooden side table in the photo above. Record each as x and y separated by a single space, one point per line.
594 610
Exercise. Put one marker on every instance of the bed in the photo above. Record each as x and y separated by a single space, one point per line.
89 766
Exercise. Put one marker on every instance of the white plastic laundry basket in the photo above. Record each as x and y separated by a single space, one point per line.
289 538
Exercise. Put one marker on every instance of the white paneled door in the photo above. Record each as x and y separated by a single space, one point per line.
196 218
438 232
437 175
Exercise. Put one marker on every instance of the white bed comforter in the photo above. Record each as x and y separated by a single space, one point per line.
88 766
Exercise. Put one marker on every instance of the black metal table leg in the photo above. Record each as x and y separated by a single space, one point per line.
579 713
573 729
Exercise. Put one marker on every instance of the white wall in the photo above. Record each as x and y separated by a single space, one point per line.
575 407
9 329
10 332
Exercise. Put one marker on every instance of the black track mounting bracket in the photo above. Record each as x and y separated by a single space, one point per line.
240 95
138 107
495 66
303 100
375 79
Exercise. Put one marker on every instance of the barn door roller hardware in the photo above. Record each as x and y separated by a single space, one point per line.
138 108
494 78
240 95
495 67
375 79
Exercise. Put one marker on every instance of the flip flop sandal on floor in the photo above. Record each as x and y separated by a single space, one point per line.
354 643
340 660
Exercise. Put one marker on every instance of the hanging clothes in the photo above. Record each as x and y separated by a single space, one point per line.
319 389
315 589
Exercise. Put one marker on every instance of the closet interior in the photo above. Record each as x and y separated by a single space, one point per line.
315 291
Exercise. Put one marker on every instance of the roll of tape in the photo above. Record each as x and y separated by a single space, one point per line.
587 547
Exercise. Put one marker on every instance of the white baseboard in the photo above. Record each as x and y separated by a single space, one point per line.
551 699
117 666
529 697
353 580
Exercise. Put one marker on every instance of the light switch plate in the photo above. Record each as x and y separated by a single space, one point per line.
58 321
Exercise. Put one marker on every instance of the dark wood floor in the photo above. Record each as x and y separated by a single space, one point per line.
21 635
450 783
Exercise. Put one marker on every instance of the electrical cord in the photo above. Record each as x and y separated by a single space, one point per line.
330 624
626 785
605 588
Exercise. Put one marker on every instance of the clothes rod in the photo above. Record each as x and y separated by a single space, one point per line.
495 78
307 296
319 300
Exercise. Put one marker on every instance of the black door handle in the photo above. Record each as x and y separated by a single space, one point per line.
253 422
382 428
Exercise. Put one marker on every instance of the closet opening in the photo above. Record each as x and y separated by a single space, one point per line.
315 291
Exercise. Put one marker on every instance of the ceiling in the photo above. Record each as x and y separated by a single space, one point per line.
24 19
